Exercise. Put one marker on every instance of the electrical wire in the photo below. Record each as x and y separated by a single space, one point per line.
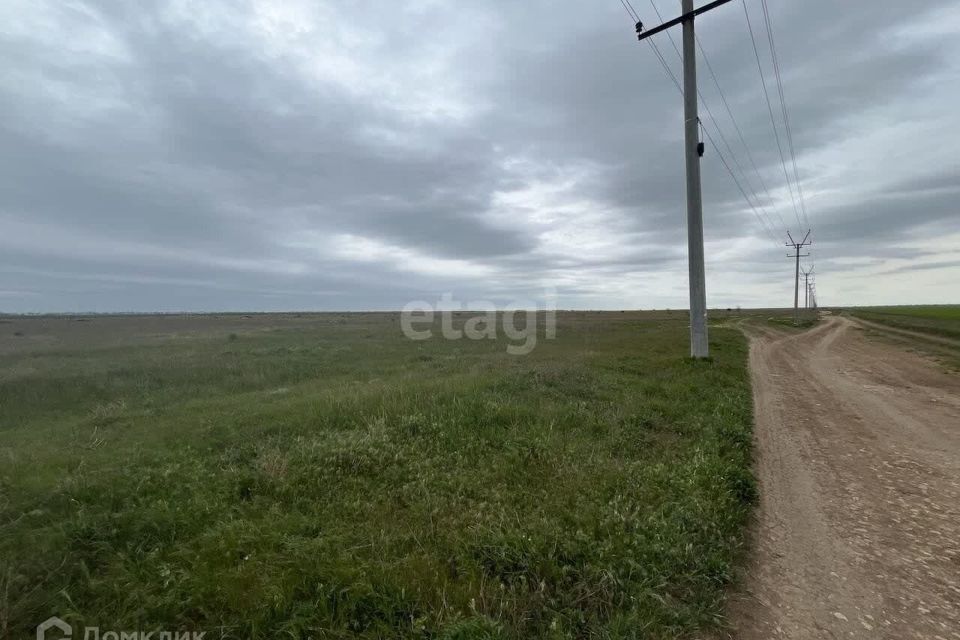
630 11
764 220
628 7
716 124
783 107
739 131
773 121
756 213
764 217
763 223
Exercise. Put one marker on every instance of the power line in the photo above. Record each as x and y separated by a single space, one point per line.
768 222
773 120
739 131
694 150
656 51
763 223
630 11
663 63
783 106
653 45
807 283
766 227
660 18
716 125
797 246
726 145
628 7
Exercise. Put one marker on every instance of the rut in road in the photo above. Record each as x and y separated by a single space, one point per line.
858 460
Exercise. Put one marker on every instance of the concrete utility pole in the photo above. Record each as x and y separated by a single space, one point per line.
806 287
699 344
796 282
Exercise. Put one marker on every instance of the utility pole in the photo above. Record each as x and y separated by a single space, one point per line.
806 287
796 282
699 345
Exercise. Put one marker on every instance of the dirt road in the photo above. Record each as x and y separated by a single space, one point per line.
858 456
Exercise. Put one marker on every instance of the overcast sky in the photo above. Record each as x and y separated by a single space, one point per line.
344 154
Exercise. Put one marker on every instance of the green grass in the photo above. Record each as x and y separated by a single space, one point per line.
936 312
785 321
938 320
333 479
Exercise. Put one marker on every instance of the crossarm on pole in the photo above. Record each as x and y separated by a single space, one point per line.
641 34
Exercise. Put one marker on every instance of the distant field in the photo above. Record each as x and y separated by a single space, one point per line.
938 312
941 320
321 475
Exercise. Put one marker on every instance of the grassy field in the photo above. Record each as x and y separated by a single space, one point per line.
939 320
806 320
321 475
933 330
935 312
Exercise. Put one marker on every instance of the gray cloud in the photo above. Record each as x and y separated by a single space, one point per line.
303 155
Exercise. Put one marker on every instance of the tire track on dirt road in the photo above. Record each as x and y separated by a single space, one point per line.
858 460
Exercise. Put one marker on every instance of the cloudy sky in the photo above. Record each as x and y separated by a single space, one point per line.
346 154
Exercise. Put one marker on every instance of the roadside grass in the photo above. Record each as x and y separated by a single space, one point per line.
938 320
781 318
337 480
934 331
806 321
